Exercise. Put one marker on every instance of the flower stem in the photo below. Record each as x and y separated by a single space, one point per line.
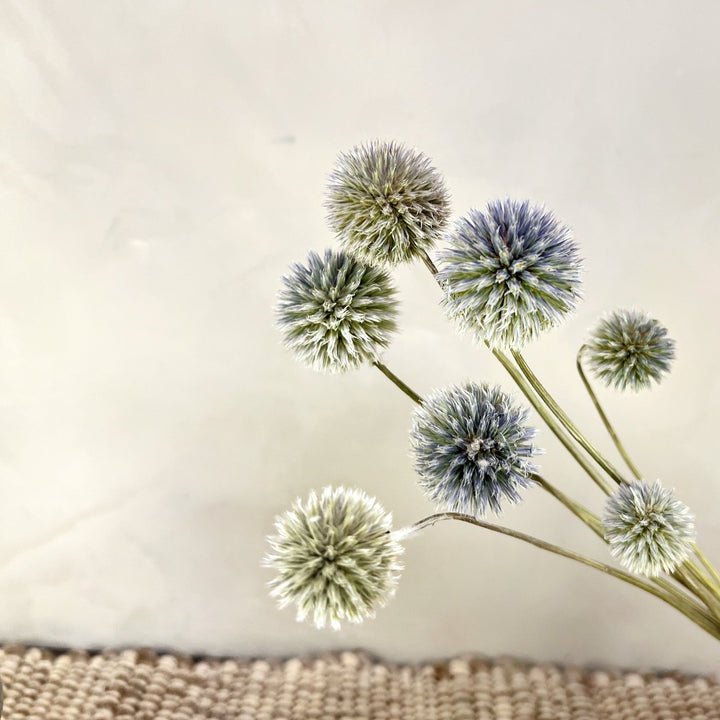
699 618
697 582
550 420
429 264
568 424
398 382
588 517
604 417
707 564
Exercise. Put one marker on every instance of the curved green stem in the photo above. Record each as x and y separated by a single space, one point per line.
699 618
397 381
550 420
568 424
604 417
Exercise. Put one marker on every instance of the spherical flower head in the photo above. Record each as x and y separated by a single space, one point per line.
472 448
509 273
386 202
335 557
628 349
336 312
648 530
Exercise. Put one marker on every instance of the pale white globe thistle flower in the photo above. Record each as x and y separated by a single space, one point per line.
509 273
629 349
472 448
649 531
337 312
386 202
335 557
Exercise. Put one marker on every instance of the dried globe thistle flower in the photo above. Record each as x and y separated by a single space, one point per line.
386 202
335 557
649 532
472 448
336 312
509 273
630 349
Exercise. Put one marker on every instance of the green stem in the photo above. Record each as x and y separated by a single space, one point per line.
429 264
688 575
604 417
550 421
700 619
587 516
398 382
707 564
568 424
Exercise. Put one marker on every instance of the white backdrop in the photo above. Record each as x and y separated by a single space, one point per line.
162 162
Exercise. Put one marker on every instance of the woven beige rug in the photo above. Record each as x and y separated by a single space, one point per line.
141 685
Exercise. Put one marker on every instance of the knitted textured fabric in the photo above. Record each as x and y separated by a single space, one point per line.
142 685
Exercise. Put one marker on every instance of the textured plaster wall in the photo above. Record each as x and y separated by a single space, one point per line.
162 162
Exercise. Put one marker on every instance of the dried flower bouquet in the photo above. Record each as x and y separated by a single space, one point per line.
507 274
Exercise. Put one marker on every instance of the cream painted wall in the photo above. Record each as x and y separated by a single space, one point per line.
162 162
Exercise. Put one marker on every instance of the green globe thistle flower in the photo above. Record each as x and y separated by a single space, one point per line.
649 532
335 557
336 312
472 448
509 273
386 202
628 349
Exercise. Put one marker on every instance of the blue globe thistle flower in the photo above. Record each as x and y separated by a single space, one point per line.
509 273
629 349
386 202
336 312
472 448
335 557
649 532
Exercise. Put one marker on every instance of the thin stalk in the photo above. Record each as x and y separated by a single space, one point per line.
568 424
700 619
398 382
687 576
606 422
550 421
702 584
587 516
429 264
707 564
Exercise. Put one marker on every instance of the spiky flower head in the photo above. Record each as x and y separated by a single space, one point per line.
509 272
335 557
472 448
386 202
336 312
629 349
648 530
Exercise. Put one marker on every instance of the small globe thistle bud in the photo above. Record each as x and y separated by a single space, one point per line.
509 273
335 557
628 349
472 448
386 202
649 532
336 312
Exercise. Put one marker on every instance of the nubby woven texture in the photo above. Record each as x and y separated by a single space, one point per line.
142 685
